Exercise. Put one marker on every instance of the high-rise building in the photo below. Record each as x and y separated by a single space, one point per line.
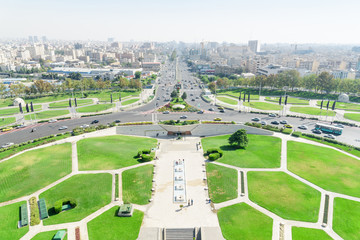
254 46
36 39
110 40
44 39
31 39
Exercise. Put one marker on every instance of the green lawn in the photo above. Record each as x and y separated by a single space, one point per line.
111 152
7 102
111 227
65 104
137 184
33 170
227 100
312 111
352 116
295 101
341 105
346 218
261 152
263 105
325 167
15 110
284 195
9 215
91 191
300 233
222 183
47 235
47 114
95 108
236 93
240 221
104 95
130 101
6 121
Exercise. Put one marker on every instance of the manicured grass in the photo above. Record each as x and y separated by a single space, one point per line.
263 105
346 218
104 95
137 184
111 152
47 114
295 101
95 108
33 170
111 227
222 183
6 102
341 105
240 221
228 100
261 152
65 104
47 235
10 215
352 116
236 94
91 191
312 111
300 233
325 167
6 121
130 101
284 195
16 110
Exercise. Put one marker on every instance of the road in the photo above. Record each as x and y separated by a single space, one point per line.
165 85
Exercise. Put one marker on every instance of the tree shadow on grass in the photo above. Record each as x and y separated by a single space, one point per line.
231 148
51 212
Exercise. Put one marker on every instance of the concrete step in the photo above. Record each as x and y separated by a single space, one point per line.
179 233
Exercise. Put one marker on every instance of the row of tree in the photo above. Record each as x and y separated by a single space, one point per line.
324 82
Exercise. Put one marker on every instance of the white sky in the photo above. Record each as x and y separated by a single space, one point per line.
305 21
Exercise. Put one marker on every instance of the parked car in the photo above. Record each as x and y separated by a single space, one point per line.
263 123
211 109
193 100
20 126
316 131
63 127
166 112
288 126
7 145
272 115
283 122
52 120
339 125
200 112
117 121
95 121
303 127
217 119
84 126
255 119
329 136
183 117
222 110
275 122
7 129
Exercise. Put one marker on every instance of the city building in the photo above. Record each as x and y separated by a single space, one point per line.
254 46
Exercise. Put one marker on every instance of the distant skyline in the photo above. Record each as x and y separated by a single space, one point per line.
277 21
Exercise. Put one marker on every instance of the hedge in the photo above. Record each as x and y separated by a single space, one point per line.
146 151
296 134
59 203
34 212
214 156
286 130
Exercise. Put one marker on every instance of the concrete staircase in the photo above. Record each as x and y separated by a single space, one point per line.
179 233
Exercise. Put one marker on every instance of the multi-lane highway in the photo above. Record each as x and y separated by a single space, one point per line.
165 85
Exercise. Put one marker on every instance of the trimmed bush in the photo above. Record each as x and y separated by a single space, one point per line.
214 156
58 206
296 134
34 212
59 203
146 151
286 130
146 158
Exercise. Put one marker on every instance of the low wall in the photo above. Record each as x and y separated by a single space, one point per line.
142 130
221 129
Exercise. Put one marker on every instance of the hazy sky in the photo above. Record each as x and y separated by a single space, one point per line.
300 21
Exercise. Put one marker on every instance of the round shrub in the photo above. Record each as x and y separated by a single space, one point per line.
58 206
146 151
214 156
59 203
146 158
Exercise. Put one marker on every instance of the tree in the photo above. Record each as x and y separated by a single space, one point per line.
326 82
137 75
123 82
174 94
239 138
184 96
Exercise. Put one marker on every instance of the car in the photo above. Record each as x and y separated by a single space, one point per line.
200 112
166 112
84 126
20 126
222 110
329 136
272 115
191 94
317 131
255 119
52 120
339 125
7 145
303 127
183 117
7 129
197 97
263 123
95 121
63 127
283 122
275 122
288 126
193 100
217 119
158 98
117 121
211 109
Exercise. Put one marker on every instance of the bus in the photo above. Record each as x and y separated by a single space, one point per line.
328 128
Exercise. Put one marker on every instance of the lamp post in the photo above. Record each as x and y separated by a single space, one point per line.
285 89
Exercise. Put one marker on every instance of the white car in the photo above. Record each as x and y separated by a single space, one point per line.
52 120
63 128
303 127
7 145
84 126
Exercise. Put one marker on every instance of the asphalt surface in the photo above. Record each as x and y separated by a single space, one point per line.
165 85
